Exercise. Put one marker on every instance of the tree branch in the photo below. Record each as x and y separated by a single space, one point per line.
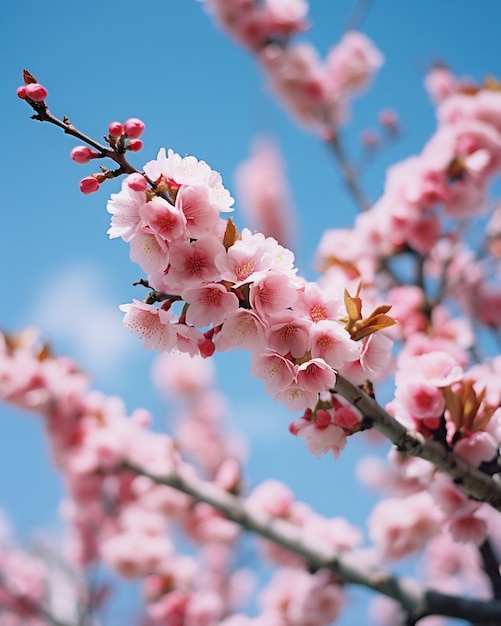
469 479
347 172
354 567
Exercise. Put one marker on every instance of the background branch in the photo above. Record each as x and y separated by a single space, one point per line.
469 479
355 567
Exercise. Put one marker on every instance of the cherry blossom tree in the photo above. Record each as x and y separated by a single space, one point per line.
406 300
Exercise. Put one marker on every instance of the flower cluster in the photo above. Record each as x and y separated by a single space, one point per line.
316 93
233 290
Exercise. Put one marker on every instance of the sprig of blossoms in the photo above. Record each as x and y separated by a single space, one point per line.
222 289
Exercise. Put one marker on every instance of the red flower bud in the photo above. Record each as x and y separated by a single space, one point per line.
21 92
135 145
206 348
83 154
134 128
89 185
36 92
137 182
115 129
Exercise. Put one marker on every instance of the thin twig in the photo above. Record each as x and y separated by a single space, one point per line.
348 172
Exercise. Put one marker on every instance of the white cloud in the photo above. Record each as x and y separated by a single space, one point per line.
75 309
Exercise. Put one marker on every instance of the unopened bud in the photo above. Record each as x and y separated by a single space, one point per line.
369 138
388 118
134 128
89 185
36 92
21 92
323 418
135 145
83 154
115 129
206 348
137 182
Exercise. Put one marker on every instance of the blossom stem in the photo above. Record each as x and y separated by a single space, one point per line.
44 115
348 172
469 479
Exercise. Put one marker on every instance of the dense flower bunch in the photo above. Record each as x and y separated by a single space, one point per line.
237 291
119 515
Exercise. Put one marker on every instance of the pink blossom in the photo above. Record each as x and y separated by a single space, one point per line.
272 497
420 398
335 531
272 293
263 191
150 323
296 398
329 341
188 339
210 304
243 329
149 251
437 368
352 62
485 105
276 372
201 216
205 608
301 598
179 374
178 171
134 554
296 76
317 305
477 448
450 499
375 355
247 258
286 16
468 528
401 526
316 375
320 440
406 307
440 83
194 263
124 208
286 333
163 219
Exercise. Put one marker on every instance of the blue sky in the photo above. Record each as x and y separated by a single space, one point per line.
200 94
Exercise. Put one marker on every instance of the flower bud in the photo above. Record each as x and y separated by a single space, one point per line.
323 418
388 118
134 128
137 182
206 348
89 185
21 92
115 129
82 154
135 145
36 92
